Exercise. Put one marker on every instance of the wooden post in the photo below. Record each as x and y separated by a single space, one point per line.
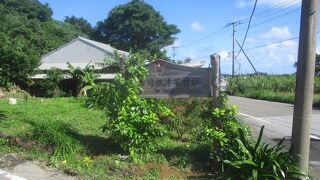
215 63
215 84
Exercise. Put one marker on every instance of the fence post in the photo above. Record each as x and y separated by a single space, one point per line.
215 88
215 65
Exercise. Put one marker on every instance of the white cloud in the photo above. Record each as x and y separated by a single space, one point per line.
191 55
278 3
291 58
243 3
284 46
197 26
225 56
277 33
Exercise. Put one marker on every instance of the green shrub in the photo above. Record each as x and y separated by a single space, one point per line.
51 85
132 121
84 79
5 81
221 128
259 161
187 116
57 135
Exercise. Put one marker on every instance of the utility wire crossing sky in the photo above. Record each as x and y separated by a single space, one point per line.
271 42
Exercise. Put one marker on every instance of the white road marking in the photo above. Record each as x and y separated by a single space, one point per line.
314 137
254 118
10 176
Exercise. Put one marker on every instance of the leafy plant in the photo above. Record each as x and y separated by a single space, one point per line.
132 121
51 85
221 128
187 115
5 81
87 161
84 78
259 161
58 136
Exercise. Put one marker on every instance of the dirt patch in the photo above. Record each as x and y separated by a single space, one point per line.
15 92
164 171
10 160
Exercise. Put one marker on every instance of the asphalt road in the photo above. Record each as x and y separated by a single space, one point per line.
277 119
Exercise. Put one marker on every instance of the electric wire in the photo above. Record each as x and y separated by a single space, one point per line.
272 43
218 32
277 8
245 37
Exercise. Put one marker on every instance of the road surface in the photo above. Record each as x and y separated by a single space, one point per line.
12 167
277 119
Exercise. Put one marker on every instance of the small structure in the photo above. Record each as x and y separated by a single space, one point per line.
79 52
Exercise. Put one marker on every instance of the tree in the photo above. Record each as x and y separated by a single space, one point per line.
32 9
27 32
80 24
138 27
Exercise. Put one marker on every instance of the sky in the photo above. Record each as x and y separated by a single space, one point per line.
205 29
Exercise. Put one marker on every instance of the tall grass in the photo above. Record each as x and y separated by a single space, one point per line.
273 88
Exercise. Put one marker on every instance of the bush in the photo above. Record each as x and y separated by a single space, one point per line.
222 129
51 85
132 121
259 161
5 81
58 136
188 115
237 156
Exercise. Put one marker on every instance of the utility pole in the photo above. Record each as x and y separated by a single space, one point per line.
233 38
305 83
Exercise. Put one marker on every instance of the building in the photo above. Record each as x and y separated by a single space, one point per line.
79 52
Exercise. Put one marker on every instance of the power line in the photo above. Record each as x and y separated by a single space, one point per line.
277 42
216 33
245 37
224 29
265 13
272 18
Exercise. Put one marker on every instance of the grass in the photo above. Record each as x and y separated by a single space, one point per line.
80 148
271 88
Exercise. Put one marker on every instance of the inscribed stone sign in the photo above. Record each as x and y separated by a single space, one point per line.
172 80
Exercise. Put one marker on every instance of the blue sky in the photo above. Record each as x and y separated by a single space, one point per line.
203 32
